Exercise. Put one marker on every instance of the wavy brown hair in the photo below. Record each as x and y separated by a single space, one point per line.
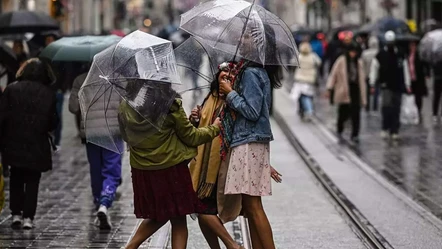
36 70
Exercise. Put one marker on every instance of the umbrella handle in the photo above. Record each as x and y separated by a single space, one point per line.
155 60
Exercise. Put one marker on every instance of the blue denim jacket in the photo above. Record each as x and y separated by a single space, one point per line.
252 104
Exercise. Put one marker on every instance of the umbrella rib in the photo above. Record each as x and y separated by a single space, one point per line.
196 72
243 29
195 88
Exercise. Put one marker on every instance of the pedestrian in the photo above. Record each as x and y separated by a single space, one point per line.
437 89
390 69
249 172
160 175
305 79
368 56
19 51
207 170
347 79
27 115
105 165
418 75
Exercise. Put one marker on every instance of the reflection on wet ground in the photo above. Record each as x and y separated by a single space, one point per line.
414 163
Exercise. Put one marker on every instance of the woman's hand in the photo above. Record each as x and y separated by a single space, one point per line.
276 176
196 114
217 122
225 85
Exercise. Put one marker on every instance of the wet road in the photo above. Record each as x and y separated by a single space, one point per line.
414 163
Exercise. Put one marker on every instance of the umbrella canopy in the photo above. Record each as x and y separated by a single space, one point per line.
141 70
26 21
242 29
430 47
80 49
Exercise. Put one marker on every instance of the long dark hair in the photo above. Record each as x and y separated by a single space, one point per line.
36 70
274 72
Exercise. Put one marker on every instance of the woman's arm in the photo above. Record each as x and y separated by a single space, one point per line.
249 105
190 135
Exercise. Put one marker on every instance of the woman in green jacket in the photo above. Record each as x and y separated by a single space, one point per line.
160 175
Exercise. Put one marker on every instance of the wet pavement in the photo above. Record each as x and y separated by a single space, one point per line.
413 163
65 212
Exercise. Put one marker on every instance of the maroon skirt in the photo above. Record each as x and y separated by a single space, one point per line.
164 194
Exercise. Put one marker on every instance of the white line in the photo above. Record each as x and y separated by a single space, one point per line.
161 238
245 232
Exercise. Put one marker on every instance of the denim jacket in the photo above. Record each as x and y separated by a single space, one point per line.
251 101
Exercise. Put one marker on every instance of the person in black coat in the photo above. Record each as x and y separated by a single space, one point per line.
418 74
27 115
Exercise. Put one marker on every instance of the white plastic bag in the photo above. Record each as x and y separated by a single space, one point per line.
409 112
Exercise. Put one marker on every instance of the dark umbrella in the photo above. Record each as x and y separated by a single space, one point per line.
26 21
390 23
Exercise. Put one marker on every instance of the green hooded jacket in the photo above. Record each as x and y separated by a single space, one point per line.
175 142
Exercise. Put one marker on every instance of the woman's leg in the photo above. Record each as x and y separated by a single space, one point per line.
212 229
258 219
144 231
254 235
179 233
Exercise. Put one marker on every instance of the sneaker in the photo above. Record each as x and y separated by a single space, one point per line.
16 221
435 119
27 223
395 137
103 218
384 134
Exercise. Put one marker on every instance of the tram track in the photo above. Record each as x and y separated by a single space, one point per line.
360 225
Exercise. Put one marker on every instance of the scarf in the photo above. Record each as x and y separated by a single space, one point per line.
204 169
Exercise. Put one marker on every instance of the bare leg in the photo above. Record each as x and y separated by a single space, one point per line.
209 234
215 229
256 242
144 231
179 232
258 219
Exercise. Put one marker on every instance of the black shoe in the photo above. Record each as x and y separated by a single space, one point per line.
355 140
341 139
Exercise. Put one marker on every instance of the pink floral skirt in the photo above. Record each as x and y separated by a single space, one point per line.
249 170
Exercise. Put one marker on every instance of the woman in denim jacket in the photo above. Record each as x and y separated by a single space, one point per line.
249 172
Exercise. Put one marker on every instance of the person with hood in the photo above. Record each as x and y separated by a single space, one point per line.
27 115
390 69
159 159
305 79
347 79
105 165
367 56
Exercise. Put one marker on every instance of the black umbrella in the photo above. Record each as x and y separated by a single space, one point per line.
26 22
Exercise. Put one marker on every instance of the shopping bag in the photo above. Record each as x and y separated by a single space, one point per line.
409 112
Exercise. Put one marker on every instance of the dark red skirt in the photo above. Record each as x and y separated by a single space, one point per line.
164 194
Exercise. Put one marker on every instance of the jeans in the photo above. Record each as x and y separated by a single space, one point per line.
391 111
437 94
23 191
105 169
307 104
59 109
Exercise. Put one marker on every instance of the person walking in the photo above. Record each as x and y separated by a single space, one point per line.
367 57
347 79
160 175
27 115
305 80
105 165
249 137
390 69
418 75
437 90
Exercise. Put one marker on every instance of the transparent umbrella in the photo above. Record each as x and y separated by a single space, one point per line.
430 47
141 70
243 30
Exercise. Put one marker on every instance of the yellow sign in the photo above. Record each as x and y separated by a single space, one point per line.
412 25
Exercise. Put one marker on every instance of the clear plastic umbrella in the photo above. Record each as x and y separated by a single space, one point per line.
243 30
430 47
141 70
